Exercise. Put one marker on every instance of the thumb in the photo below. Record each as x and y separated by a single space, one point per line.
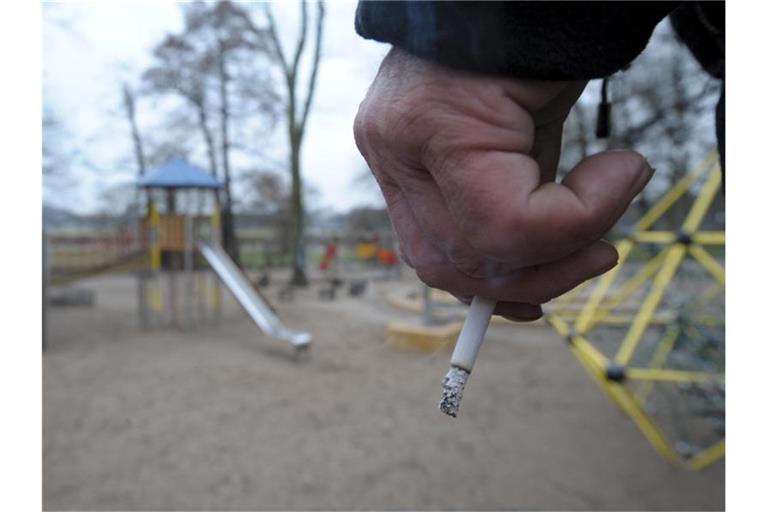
505 212
606 183
589 201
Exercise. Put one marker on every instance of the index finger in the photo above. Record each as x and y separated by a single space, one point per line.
505 212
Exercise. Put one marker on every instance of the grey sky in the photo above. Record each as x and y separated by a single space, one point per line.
89 48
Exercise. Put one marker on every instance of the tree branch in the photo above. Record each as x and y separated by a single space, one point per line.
130 110
272 29
302 40
315 64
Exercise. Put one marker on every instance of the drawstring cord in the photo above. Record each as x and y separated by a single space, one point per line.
603 128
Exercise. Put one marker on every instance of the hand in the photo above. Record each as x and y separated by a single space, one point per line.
467 165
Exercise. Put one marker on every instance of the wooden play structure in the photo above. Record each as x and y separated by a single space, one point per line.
175 253
181 211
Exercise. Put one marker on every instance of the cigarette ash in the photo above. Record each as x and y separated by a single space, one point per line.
453 390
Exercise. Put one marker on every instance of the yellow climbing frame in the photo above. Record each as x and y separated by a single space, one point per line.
600 308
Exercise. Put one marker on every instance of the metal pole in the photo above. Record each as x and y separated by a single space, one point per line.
46 277
141 274
199 278
170 196
188 253
427 317
216 237
155 259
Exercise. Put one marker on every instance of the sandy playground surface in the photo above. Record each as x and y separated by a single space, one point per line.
222 418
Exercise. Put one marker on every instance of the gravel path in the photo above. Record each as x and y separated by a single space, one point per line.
222 418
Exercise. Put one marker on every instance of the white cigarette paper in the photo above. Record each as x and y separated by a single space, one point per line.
473 333
465 353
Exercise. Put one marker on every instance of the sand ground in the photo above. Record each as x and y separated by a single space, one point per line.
222 418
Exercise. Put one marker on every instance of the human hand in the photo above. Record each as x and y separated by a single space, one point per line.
467 165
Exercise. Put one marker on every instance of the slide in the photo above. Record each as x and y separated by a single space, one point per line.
243 291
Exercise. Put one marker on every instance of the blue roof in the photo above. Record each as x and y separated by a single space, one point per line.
178 173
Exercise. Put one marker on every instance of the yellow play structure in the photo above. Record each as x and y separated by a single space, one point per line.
651 332
665 342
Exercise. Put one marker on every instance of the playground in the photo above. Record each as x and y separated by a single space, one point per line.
175 379
227 418
231 210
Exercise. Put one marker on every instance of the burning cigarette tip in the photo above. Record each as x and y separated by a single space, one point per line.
453 390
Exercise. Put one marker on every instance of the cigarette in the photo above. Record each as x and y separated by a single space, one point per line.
465 353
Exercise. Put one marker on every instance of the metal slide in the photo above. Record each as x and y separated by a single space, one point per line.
243 291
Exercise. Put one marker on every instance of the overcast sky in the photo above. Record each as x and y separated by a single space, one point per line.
89 48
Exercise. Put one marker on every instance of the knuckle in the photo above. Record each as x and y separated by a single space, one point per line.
431 276
365 127
403 123
402 255
471 267
428 264
491 235
442 151
466 261
478 267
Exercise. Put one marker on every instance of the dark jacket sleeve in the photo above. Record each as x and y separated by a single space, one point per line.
701 26
545 40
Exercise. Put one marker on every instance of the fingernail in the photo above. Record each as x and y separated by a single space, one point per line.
643 178
531 316
523 312
525 317
606 256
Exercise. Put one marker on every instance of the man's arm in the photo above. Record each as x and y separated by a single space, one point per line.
467 160
542 40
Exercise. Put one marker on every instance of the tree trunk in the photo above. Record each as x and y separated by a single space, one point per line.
202 117
138 148
298 260
299 276
227 219
296 123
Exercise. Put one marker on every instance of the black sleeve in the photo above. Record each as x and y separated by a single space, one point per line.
701 26
545 40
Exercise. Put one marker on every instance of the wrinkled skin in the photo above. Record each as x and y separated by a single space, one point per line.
467 165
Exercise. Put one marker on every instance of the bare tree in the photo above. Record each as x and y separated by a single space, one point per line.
180 69
129 103
268 196
267 190
217 65
231 36
296 116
